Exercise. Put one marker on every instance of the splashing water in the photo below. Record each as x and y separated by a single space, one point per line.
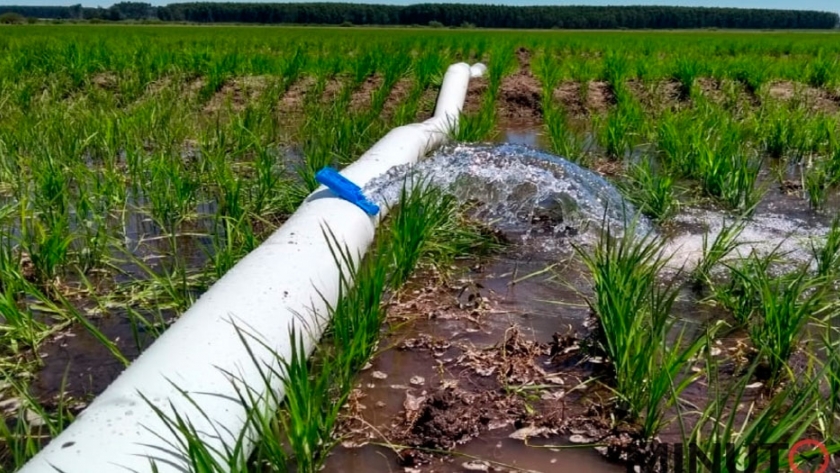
516 186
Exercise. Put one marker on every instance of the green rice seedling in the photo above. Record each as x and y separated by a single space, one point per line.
730 176
633 311
429 225
562 138
820 71
731 425
616 72
20 329
621 128
479 126
581 71
718 249
752 74
650 190
816 179
47 246
785 304
22 437
188 447
412 223
687 71
827 252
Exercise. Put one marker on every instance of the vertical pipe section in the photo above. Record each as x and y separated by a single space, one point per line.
284 284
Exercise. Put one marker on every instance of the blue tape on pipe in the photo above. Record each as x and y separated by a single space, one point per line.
346 189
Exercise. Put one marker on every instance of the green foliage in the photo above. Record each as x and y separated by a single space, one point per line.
633 309
650 190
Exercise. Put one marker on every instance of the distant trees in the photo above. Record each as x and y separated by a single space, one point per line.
487 16
12 18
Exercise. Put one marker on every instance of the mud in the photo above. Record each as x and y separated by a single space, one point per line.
520 94
474 371
295 97
475 95
520 98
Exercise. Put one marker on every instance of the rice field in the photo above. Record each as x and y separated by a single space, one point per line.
138 164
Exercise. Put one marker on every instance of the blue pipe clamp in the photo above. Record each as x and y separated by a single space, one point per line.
346 189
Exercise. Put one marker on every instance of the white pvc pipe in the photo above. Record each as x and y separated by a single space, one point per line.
286 282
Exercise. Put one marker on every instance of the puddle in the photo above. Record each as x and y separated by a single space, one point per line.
526 134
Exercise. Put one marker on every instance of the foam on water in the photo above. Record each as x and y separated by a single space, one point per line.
763 234
514 184
517 186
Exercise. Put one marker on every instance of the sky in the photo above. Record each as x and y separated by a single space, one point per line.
823 5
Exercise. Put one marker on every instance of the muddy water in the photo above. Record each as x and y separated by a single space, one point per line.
75 362
537 287
518 291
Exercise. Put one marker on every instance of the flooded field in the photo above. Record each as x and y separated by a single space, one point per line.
132 178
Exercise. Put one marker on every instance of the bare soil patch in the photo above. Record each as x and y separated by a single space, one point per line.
294 98
332 89
520 97
475 94
568 94
104 80
818 100
600 97
362 97
237 92
398 95
520 94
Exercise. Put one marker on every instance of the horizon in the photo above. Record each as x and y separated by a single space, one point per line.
817 5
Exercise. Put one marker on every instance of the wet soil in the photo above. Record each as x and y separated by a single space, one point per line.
475 95
520 94
476 372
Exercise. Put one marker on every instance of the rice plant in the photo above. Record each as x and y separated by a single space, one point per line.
826 252
650 190
715 250
783 306
633 309
686 72
732 426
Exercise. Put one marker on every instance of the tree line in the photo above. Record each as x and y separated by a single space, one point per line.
486 16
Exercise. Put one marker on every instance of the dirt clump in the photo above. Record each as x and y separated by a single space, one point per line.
816 99
600 96
398 95
521 97
237 93
362 97
294 98
104 80
452 416
475 94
